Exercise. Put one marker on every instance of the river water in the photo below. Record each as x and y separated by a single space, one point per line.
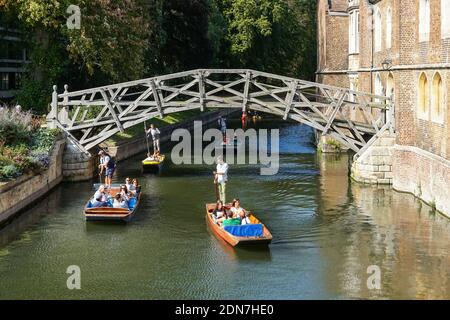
327 231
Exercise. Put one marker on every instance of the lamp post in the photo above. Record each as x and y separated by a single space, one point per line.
386 64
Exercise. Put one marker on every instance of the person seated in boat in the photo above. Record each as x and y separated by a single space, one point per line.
236 208
100 197
125 193
128 184
136 186
157 156
219 210
120 202
239 212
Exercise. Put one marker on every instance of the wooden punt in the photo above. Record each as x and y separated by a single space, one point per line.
108 213
149 164
219 231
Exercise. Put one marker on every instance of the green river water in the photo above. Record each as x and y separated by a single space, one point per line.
326 231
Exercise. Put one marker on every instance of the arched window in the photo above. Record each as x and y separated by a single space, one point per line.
378 86
390 86
389 29
377 30
422 102
437 98
445 19
353 32
424 20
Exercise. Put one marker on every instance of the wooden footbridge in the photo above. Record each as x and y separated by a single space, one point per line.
90 116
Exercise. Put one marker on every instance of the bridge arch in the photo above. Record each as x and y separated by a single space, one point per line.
93 115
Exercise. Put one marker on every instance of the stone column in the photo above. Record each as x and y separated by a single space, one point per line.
374 166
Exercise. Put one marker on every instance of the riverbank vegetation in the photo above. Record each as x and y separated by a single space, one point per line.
126 40
24 144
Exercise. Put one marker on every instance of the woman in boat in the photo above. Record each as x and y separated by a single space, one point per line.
125 193
136 186
128 184
120 202
219 210
239 212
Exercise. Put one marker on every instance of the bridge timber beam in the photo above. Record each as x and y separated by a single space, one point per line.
93 115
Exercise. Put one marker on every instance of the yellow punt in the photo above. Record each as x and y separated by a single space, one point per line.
151 162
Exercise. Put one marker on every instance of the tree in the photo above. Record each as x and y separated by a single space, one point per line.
109 46
272 35
186 45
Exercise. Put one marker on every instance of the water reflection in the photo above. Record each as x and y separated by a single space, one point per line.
378 226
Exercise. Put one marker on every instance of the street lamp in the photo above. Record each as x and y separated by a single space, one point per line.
386 64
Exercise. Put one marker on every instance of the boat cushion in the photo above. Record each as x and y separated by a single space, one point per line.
232 222
247 230
131 203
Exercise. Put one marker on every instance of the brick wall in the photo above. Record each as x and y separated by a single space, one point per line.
409 58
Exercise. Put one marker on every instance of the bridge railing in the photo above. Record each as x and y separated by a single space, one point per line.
92 115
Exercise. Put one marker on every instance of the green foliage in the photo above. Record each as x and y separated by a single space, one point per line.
112 39
334 144
43 139
9 172
24 145
15 127
126 40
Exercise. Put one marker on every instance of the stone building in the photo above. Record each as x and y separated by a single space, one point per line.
13 60
400 49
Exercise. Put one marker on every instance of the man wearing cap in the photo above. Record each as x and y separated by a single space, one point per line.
107 164
221 177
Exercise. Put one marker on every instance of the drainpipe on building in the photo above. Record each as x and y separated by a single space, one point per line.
370 6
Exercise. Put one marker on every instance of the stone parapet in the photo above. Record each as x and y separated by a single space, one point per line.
423 174
77 165
374 166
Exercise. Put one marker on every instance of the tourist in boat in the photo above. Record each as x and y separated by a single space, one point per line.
136 186
219 210
100 197
221 178
128 184
155 134
157 156
239 212
108 165
125 193
120 202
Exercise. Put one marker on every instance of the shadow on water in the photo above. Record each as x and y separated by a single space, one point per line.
15 228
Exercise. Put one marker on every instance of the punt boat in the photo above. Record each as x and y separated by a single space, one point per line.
150 164
110 213
254 233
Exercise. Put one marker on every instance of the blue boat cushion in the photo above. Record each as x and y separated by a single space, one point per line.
89 205
131 203
246 230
